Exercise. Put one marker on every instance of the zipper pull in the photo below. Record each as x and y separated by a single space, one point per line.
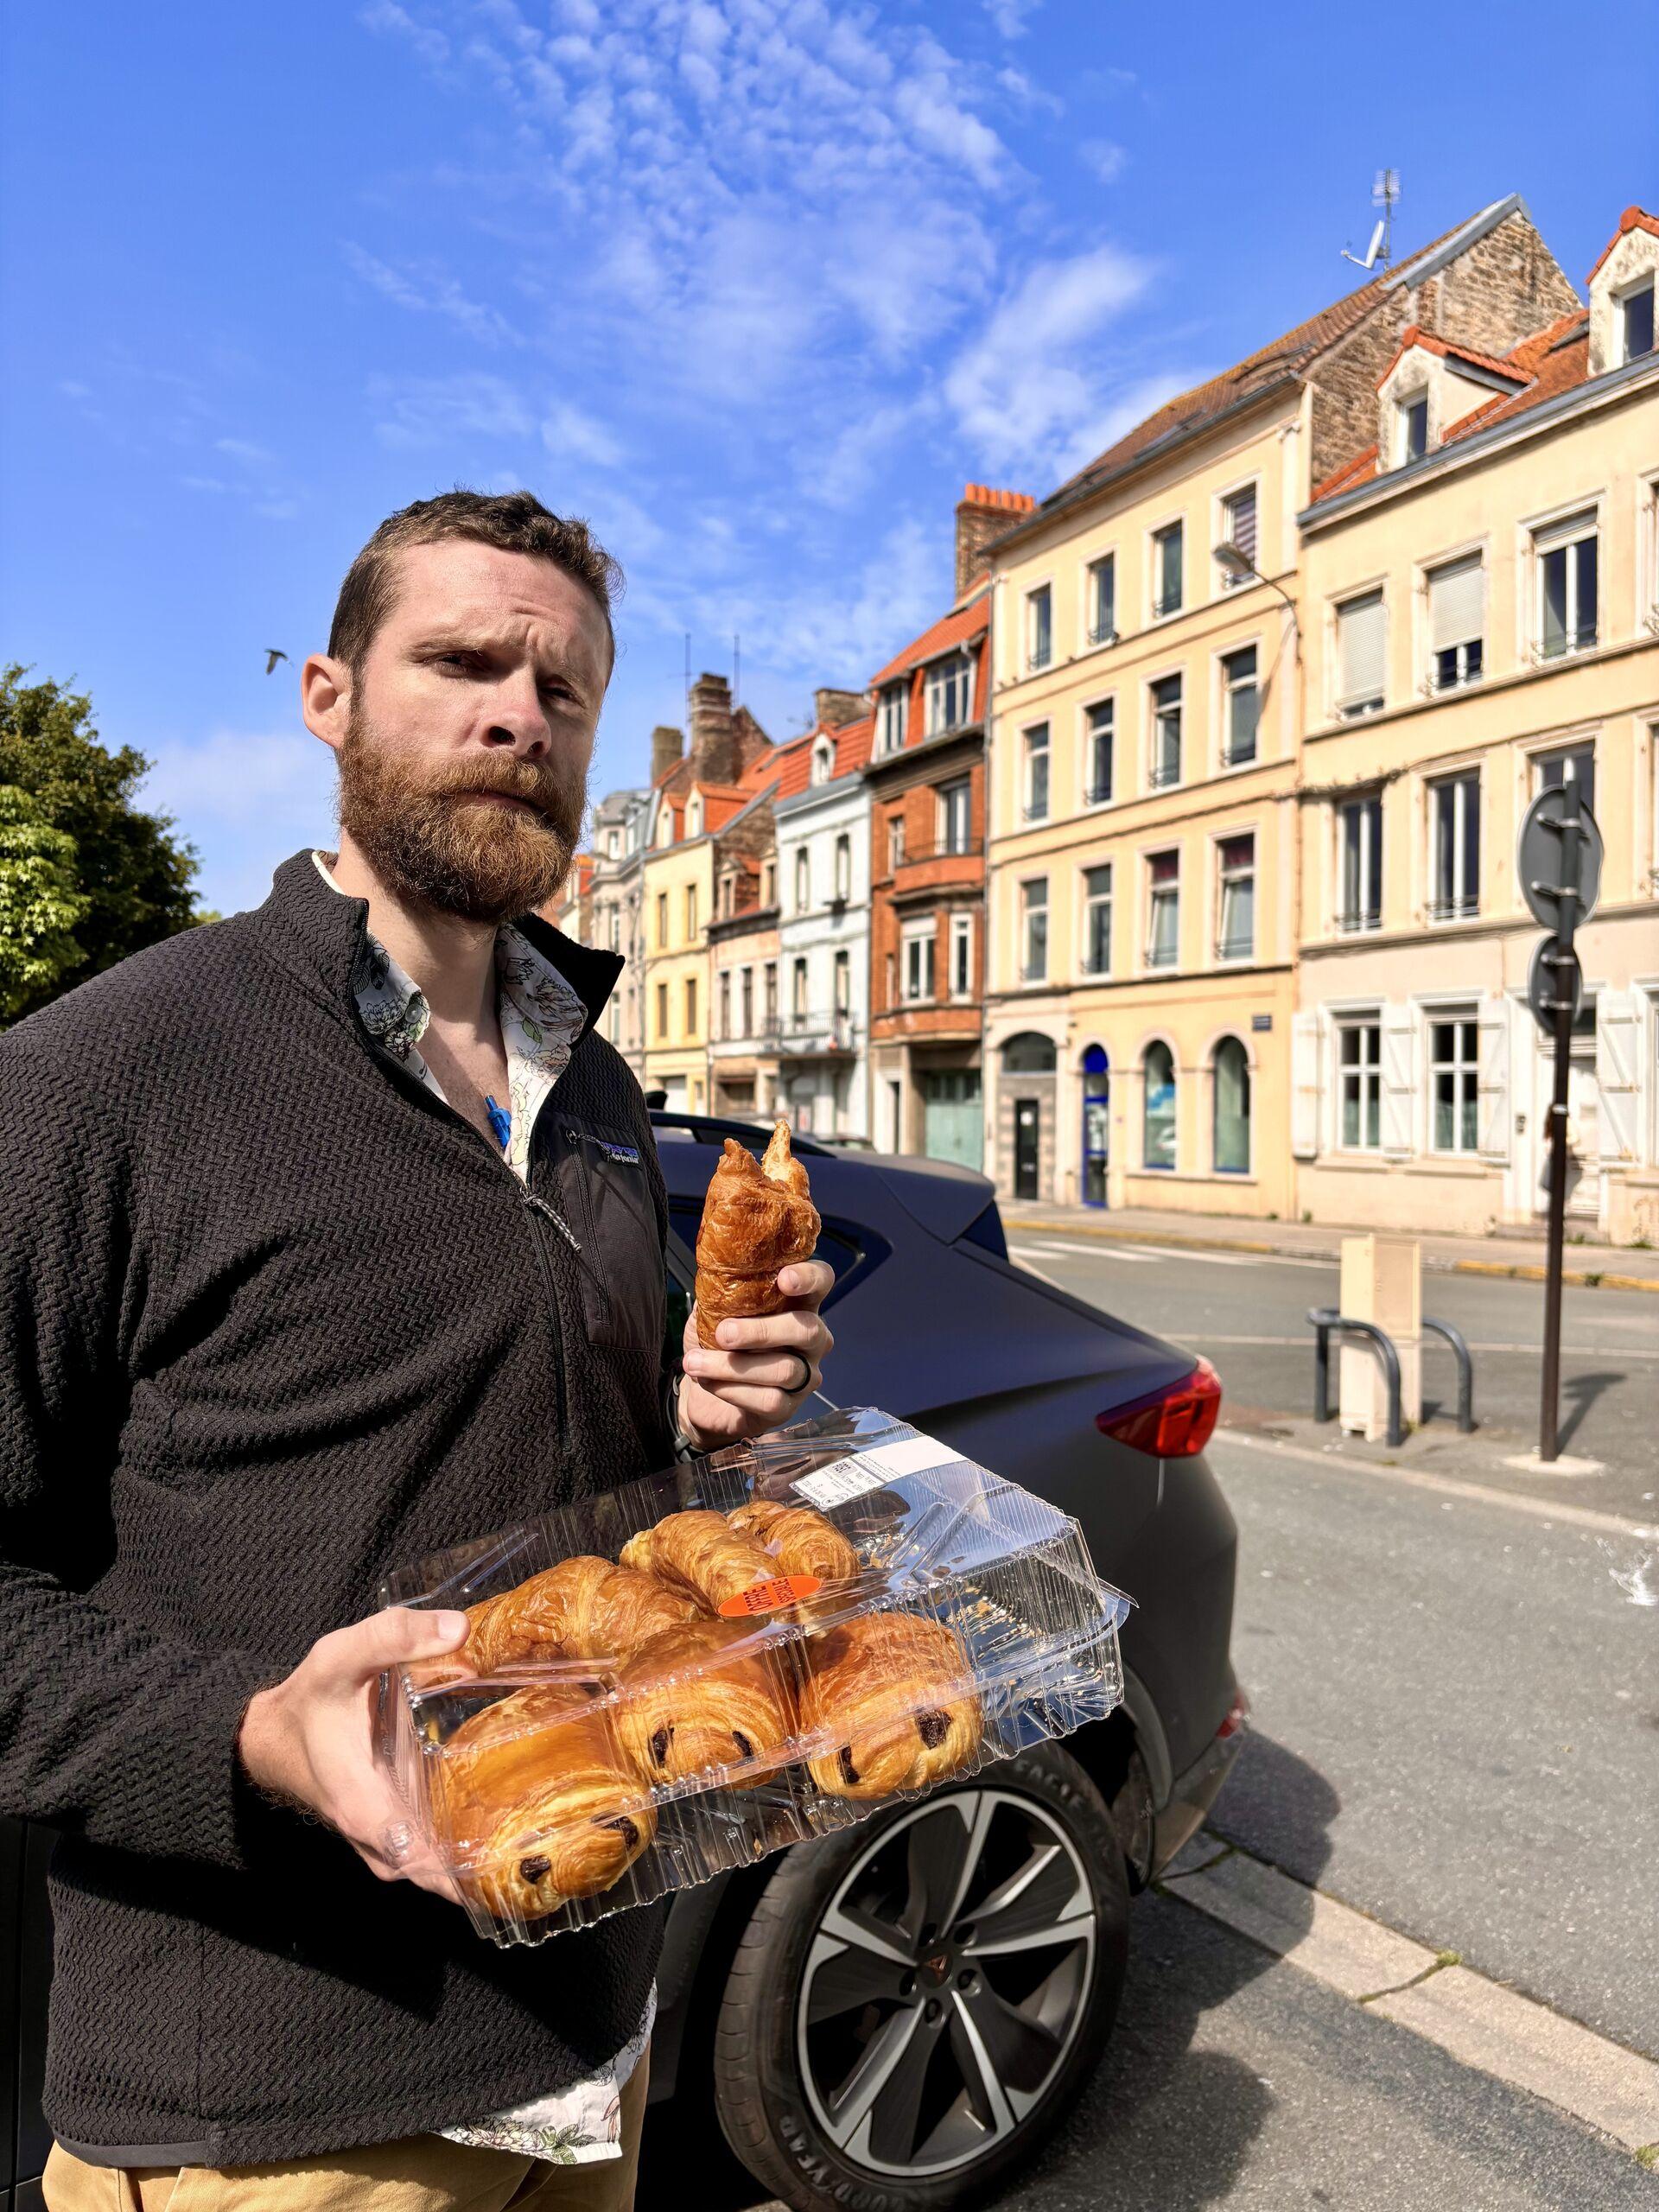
554 1217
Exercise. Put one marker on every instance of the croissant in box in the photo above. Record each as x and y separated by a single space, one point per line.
800 1539
583 1608
757 1217
698 1555
885 1692
543 1804
690 1701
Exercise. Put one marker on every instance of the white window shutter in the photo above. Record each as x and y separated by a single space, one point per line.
1399 1080
1305 1034
1361 648
1615 1066
1493 1079
1457 603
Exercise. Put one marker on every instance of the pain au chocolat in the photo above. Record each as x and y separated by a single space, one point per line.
886 1695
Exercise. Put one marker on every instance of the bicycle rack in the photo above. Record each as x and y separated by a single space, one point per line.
1325 1319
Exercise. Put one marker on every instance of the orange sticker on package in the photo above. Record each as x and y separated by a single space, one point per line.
766 1597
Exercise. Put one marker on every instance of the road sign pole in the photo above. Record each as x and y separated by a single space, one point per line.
1569 879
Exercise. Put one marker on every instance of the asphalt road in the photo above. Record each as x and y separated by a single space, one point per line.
1456 1730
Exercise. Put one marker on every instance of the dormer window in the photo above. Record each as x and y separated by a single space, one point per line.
1635 322
1411 421
890 722
694 815
822 761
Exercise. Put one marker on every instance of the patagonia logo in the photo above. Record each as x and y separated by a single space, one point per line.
626 1153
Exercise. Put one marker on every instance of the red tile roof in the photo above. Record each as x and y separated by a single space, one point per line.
1633 219
959 627
853 743
1432 342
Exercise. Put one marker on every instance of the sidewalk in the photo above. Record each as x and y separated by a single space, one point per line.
1609 1267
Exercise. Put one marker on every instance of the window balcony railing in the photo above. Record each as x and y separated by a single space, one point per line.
1164 773
1161 956
811 1033
1353 919
1236 947
1036 813
1463 908
949 848
1035 972
1238 756
1102 633
1578 640
1040 657
1171 604
1097 795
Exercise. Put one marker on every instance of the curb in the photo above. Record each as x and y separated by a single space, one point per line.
1516 1270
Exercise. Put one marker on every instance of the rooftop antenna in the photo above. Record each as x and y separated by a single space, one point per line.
1385 193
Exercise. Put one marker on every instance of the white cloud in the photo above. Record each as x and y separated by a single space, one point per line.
570 433
245 799
1010 15
385 17
426 289
439 411
1106 159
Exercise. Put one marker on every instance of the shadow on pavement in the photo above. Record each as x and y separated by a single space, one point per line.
1580 1392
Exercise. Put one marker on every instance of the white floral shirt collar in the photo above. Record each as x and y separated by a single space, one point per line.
541 1018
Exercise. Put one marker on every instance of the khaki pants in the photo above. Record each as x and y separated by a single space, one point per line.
422 2173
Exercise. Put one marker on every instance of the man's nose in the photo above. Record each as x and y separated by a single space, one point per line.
518 722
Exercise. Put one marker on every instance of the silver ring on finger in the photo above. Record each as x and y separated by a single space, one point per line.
796 1389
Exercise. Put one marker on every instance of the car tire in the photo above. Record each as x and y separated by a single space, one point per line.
1033 1991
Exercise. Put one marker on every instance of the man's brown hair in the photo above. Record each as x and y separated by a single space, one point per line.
516 522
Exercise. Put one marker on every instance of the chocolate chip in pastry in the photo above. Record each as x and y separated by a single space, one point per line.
699 1555
689 1701
799 1538
583 1608
758 1216
541 1802
885 1695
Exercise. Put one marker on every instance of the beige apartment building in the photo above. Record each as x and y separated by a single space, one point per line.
1150 672
616 910
1481 585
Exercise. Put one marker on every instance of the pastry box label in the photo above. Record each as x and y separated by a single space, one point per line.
844 1479
766 1597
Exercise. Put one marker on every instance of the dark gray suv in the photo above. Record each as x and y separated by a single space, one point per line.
898 2016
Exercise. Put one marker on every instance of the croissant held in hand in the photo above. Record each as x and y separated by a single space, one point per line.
698 1555
583 1608
800 1539
885 1690
758 1217
542 1803
688 1706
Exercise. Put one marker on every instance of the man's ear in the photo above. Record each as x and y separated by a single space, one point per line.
326 698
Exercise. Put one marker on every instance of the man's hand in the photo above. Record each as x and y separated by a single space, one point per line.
310 1739
753 1380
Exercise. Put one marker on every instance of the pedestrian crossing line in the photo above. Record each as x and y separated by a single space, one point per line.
1070 1251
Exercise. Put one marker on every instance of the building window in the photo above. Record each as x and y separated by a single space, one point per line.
662 917
694 815
1039 627
1455 1073
843 983
890 718
1231 1084
1456 622
843 866
746 990
1238 531
768 883
1097 920
962 955
612 843
803 881
1158 1113
726 895
1635 322
1359 1064
1241 707
797 993
1565 556
725 1016
1037 773
662 1010
1361 651
892 970
920 945
690 1006
1236 912
1166 570
895 842
1411 427
947 694
1098 748
1033 930
1100 597
771 994
1166 732
1456 804
1359 846
956 816
1163 909
823 760
1573 764
691 912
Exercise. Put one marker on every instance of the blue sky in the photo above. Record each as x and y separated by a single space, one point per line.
755 284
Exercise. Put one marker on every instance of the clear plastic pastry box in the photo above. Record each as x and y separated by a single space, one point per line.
890 1618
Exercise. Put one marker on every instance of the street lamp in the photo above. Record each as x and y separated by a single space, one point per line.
1239 566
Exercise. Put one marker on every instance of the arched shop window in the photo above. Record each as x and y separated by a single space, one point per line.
1158 1113
1029 1054
1231 1068
1096 1124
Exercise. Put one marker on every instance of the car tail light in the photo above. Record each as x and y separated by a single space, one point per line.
1239 1714
1172 1423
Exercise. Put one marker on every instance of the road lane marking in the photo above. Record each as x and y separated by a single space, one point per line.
1117 1252
1479 2023
1531 1352
1538 1508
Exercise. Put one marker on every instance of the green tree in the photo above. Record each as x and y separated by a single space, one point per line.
40 905
130 876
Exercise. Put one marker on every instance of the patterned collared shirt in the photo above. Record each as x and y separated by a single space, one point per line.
541 1018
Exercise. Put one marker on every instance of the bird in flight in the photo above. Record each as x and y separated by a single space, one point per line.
273 654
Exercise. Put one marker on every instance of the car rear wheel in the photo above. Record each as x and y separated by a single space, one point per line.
915 2002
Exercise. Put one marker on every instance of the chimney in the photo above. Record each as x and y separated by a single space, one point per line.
667 746
714 742
982 515
834 709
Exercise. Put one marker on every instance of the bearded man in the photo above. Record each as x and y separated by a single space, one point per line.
290 1295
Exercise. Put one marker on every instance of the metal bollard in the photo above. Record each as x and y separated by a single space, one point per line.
1466 1372
1326 1318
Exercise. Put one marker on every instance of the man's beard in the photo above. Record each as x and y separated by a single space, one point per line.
430 843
